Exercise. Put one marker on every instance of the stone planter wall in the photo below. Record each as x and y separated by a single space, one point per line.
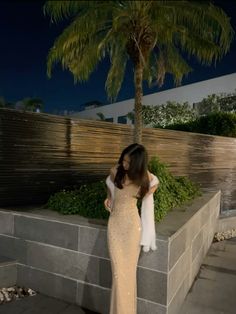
67 257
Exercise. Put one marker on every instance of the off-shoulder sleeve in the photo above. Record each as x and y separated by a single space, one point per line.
154 181
148 236
110 186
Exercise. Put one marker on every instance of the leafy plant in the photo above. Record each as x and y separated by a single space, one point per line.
218 123
88 199
224 102
171 112
172 191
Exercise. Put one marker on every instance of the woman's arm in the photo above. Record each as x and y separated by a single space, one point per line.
113 172
108 193
108 200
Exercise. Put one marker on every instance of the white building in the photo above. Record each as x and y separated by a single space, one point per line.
192 93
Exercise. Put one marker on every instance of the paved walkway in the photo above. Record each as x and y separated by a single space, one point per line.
40 304
213 292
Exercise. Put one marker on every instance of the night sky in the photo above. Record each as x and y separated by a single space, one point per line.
27 35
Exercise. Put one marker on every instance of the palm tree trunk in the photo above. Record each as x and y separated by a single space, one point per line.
138 80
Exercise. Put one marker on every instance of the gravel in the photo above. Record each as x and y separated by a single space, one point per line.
220 236
14 293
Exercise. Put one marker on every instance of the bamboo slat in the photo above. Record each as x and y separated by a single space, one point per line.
40 154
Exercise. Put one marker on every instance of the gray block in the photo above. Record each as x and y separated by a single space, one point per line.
93 241
70 264
146 307
177 247
149 283
8 274
211 232
13 248
205 240
47 283
6 223
196 264
177 301
156 260
178 273
46 231
93 297
197 244
204 233
214 218
205 214
193 228
215 200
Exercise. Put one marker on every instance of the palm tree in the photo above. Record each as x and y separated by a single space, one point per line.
155 35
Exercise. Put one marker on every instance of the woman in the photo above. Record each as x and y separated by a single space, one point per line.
131 180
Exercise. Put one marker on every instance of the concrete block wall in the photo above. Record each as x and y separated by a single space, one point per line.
188 247
67 257
183 239
62 259
8 272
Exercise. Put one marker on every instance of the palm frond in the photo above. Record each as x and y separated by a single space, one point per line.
201 20
150 70
116 73
156 33
58 10
78 39
169 60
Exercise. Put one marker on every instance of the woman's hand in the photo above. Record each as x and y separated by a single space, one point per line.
153 189
107 204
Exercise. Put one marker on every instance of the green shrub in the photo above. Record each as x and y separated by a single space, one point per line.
172 191
218 123
88 199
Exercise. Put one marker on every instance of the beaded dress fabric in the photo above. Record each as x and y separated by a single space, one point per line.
123 237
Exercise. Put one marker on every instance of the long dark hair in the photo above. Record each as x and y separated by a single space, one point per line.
137 171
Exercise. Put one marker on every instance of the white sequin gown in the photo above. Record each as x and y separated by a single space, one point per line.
124 234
